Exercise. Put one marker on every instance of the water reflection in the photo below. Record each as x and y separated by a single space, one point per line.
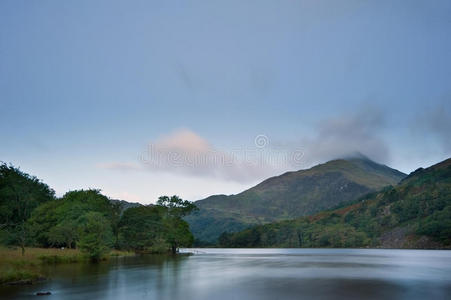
254 274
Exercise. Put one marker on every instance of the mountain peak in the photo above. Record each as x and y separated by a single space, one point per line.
291 195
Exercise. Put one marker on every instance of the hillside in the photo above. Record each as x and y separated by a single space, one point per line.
290 195
414 214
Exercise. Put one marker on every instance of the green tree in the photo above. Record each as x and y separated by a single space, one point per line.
20 194
64 234
96 237
141 228
53 222
177 232
176 207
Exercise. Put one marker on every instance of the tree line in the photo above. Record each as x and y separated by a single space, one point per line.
31 215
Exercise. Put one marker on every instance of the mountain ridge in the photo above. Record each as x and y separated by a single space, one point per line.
290 195
414 214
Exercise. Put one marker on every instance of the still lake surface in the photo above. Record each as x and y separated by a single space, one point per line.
217 274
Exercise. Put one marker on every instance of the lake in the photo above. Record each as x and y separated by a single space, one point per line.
217 274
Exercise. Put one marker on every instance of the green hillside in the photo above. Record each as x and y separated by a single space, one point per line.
290 195
414 214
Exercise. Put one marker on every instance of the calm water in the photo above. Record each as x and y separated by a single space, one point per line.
254 274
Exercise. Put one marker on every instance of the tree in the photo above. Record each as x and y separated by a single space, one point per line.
224 240
20 194
141 228
177 231
176 207
56 223
43 219
64 234
95 235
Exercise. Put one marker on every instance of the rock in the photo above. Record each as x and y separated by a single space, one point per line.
43 293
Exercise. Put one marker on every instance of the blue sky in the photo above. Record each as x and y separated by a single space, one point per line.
87 86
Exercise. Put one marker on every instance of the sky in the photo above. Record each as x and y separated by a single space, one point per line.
194 98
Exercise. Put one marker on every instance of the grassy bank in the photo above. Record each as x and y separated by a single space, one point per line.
25 269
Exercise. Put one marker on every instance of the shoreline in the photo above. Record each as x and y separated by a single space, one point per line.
16 269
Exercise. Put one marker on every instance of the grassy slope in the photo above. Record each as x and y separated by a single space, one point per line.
290 195
414 214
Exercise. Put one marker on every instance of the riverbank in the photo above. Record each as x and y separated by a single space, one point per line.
16 268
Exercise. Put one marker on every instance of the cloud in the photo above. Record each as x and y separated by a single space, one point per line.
347 135
183 140
185 152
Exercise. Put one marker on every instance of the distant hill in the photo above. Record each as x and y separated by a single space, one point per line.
414 214
290 195
126 205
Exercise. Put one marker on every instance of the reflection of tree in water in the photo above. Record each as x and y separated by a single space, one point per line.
107 274
169 275
73 271
149 276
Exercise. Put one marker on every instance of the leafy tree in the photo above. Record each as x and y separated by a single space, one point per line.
43 219
176 229
20 194
141 228
56 223
65 233
177 233
176 207
96 236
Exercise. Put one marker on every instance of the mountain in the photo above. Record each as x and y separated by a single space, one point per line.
414 214
290 195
